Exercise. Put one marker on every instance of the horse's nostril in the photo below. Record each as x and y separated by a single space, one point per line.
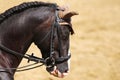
66 71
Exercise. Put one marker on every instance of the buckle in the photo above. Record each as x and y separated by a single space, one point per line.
50 62
30 56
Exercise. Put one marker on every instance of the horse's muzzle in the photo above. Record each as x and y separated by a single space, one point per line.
57 73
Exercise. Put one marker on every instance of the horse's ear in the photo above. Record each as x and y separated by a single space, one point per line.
66 14
69 14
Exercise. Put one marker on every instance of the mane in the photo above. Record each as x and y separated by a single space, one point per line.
22 7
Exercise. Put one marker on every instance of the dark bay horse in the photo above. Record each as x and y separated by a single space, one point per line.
45 24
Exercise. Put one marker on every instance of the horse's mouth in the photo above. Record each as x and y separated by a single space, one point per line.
55 72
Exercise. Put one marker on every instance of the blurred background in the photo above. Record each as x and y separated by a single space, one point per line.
95 46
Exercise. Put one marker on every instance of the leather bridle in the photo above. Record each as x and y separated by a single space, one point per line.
49 61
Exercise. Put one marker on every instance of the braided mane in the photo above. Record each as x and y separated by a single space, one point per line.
22 7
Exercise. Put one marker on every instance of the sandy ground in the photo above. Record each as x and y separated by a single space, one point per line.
95 45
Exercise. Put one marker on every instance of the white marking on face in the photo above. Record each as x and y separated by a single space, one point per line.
69 60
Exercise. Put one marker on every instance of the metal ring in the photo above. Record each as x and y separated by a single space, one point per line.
50 62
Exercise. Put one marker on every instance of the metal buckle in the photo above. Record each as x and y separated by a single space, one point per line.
50 62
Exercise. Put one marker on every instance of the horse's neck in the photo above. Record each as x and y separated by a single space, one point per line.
17 33
20 46
15 36
5 75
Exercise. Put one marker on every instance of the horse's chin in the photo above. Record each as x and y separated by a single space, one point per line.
55 72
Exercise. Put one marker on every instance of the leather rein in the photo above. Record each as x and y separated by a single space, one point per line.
49 61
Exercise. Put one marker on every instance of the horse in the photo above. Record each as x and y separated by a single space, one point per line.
47 25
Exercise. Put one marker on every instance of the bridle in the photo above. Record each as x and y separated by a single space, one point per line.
50 61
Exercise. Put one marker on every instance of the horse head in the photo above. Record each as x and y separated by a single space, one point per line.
55 44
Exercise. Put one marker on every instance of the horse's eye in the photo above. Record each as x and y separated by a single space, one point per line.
65 33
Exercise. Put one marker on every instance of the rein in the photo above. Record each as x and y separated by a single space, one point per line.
26 56
49 61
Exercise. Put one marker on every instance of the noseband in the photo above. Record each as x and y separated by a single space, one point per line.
49 61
